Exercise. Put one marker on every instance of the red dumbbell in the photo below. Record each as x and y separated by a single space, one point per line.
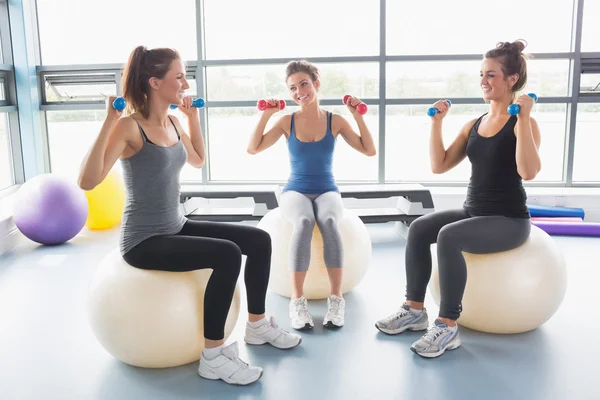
361 108
263 105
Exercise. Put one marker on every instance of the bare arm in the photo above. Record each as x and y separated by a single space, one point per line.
105 151
528 159
260 141
194 143
442 159
528 136
363 142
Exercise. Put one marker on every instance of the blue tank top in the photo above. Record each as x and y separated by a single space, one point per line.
311 163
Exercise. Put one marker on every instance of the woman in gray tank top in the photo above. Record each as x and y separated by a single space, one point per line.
153 148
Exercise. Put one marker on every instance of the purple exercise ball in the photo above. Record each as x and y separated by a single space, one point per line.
50 209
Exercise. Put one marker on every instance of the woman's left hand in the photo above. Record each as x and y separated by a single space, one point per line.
187 109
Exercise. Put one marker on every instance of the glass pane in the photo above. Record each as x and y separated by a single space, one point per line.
586 163
60 92
6 166
262 28
453 79
2 89
442 27
107 31
590 36
409 126
590 83
230 130
261 81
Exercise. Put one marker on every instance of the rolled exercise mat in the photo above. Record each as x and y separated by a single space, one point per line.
569 228
548 211
559 219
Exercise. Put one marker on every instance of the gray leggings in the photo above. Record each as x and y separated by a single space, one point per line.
302 210
455 231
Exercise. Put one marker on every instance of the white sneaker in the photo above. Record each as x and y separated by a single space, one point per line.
299 315
334 318
228 367
271 333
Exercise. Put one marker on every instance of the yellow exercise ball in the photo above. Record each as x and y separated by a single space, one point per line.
356 259
106 203
148 318
512 291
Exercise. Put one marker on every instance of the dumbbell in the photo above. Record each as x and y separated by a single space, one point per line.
514 109
432 111
119 104
262 105
198 103
361 108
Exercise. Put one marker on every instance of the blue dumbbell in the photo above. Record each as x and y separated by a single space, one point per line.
119 104
514 109
198 103
431 111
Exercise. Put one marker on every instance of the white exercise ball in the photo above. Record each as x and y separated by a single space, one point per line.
512 291
147 318
356 258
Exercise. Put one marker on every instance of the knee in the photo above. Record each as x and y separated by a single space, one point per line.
418 230
446 237
328 222
261 242
231 258
304 223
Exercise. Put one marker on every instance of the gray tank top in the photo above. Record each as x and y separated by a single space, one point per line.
151 179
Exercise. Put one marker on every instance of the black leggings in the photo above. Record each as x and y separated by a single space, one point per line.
218 246
455 231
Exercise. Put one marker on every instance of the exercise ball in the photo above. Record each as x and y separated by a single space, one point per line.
151 319
50 209
356 258
512 291
106 202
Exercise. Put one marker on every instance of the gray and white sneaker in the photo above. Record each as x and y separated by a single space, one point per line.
229 367
334 318
301 319
437 340
402 320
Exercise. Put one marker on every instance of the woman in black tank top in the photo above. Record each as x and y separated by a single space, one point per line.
503 150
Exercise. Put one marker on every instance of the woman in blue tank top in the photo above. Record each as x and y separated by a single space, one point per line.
311 194
503 150
155 235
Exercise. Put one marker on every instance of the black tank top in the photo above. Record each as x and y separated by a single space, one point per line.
495 187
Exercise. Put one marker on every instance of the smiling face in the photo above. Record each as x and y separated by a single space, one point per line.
173 85
494 84
303 89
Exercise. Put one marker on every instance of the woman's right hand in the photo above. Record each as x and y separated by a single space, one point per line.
273 106
111 112
442 106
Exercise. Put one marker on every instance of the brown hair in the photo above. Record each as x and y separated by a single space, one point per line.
302 66
513 61
142 65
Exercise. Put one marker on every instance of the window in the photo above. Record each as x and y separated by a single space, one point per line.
407 141
262 81
453 79
268 28
590 36
590 83
6 166
71 134
586 166
61 88
443 27
229 130
112 29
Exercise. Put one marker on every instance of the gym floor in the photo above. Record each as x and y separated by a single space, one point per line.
49 352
